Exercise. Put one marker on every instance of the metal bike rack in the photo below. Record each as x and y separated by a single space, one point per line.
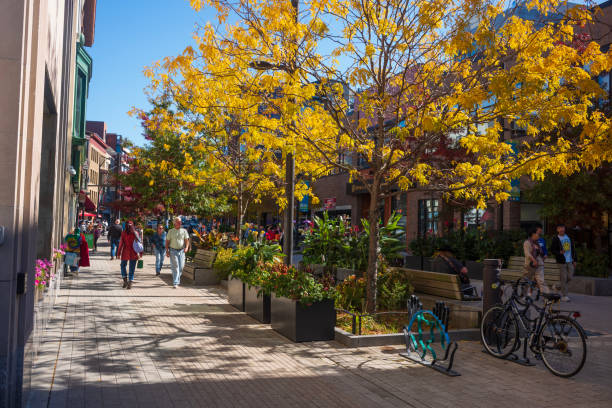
417 348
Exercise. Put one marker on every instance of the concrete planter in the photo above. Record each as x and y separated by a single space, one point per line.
258 307
223 284
591 286
301 323
394 339
235 293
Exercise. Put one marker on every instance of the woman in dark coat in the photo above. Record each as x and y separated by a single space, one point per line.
127 254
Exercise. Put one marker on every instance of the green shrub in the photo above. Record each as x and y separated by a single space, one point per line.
394 288
473 244
351 294
333 242
148 232
326 243
287 281
223 263
591 263
246 259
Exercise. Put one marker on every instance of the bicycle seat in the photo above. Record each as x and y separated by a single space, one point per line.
551 296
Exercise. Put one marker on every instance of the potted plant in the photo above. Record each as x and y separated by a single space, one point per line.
301 308
244 263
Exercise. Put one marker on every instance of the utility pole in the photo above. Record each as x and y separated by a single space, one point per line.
290 178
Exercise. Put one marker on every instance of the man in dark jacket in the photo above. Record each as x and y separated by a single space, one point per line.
562 248
114 234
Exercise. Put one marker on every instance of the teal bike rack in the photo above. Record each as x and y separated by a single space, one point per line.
431 329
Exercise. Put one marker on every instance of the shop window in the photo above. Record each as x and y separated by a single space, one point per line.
429 212
473 218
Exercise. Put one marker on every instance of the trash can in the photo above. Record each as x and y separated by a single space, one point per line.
491 290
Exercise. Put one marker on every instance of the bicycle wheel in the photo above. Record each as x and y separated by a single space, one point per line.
562 344
499 332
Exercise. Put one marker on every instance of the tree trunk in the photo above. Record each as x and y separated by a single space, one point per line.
240 216
373 251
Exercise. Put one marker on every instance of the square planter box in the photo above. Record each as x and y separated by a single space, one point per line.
256 307
300 322
235 293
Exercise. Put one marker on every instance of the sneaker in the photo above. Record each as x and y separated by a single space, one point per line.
157 273
565 299
175 286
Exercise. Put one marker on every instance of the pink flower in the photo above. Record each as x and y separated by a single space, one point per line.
36 282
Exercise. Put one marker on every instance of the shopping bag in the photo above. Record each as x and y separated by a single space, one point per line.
140 264
137 246
71 259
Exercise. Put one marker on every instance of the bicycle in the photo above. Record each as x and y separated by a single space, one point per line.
555 338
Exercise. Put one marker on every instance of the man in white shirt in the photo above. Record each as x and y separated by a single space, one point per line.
177 245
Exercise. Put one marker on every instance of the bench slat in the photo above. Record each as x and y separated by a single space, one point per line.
451 286
416 274
434 283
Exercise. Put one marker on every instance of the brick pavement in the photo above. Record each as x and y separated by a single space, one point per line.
154 346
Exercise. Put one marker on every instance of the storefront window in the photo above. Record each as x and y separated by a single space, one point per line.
473 218
428 216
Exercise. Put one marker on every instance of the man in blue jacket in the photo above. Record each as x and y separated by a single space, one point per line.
562 248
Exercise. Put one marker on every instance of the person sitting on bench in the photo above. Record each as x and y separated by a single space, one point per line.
454 267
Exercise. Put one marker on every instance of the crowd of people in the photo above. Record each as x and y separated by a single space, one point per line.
126 245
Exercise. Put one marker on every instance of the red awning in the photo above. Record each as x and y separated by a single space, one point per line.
89 205
88 214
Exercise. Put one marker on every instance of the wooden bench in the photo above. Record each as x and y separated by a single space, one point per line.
516 270
444 285
200 270
432 287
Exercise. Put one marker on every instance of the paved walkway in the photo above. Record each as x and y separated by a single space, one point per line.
155 346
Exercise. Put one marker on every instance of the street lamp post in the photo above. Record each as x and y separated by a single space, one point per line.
289 160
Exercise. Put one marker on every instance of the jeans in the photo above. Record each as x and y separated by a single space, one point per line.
132 268
114 245
177 261
567 273
159 259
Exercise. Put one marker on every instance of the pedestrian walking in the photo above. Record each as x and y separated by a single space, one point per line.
542 241
159 243
128 254
96 235
534 260
77 245
114 235
139 231
177 245
562 248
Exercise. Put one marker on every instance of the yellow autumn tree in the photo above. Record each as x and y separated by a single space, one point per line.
415 94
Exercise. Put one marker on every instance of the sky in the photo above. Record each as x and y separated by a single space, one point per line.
129 36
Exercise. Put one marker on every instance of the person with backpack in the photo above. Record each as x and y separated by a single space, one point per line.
562 248
130 250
